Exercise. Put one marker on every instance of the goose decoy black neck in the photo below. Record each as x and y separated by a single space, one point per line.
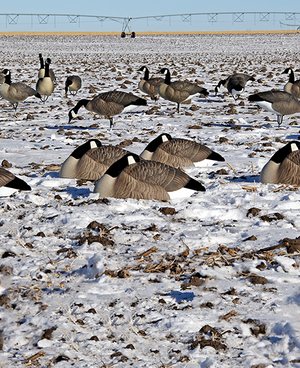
42 66
73 112
152 146
291 74
116 168
167 75
7 76
282 153
81 150
146 72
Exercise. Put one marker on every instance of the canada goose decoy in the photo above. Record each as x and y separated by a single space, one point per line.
109 104
178 152
292 86
235 84
73 84
133 177
9 183
90 160
223 83
278 102
15 92
284 166
41 73
45 86
149 85
178 91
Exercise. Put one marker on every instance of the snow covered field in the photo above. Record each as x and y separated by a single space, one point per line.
205 281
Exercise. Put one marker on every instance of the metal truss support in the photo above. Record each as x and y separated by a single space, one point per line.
212 17
43 19
12 19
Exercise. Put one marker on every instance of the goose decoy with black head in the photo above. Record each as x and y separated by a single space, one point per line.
45 86
278 102
41 73
133 177
73 84
284 166
178 91
149 85
178 152
223 83
292 86
15 92
235 84
90 160
9 183
109 104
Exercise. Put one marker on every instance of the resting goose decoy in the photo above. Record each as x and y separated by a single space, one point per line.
45 86
278 102
109 104
15 92
178 152
149 85
284 166
235 84
178 91
41 73
90 160
73 84
9 183
133 177
292 86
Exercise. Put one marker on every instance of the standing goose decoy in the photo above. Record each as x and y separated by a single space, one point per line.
15 92
133 177
109 104
178 152
292 86
73 84
45 86
278 102
9 183
42 70
149 85
284 166
90 160
235 84
178 91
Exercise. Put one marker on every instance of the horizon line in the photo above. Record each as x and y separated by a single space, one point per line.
93 33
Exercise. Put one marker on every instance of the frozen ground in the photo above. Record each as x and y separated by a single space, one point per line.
87 282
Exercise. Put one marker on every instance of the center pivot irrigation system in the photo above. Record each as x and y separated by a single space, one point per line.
286 19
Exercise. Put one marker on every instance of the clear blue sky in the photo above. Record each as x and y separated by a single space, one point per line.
140 8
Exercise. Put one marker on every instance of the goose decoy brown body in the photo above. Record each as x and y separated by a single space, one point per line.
73 84
178 91
109 104
284 166
235 83
41 73
9 183
292 86
15 92
133 177
45 85
178 152
278 102
90 160
149 85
